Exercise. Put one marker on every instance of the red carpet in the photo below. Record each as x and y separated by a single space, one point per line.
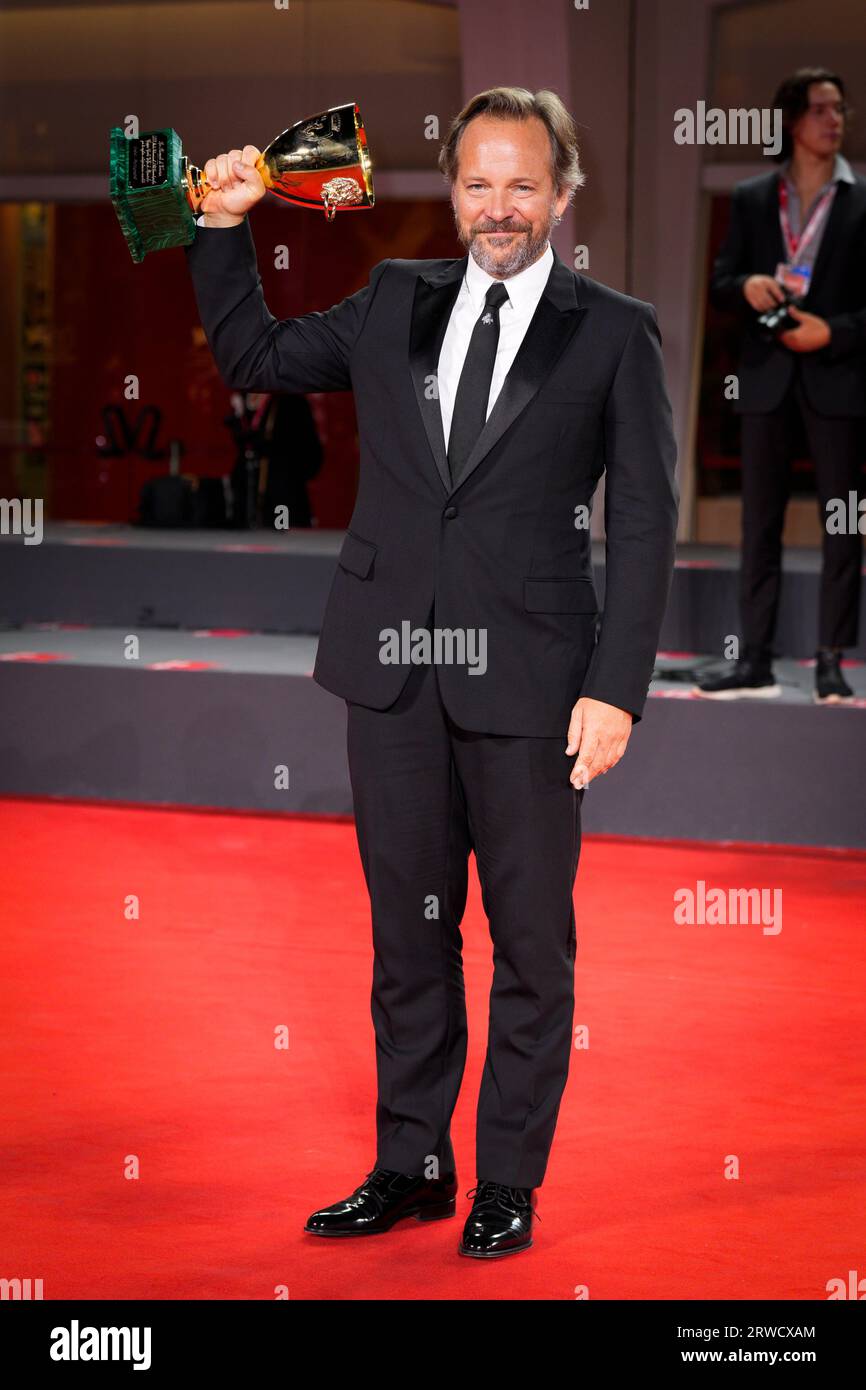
154 1038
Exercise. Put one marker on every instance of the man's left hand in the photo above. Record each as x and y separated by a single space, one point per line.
600 732
811 334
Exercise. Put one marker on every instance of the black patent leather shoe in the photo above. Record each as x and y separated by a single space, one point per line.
500 1222
384 1198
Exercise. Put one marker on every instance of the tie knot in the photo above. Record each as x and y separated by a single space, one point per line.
495 296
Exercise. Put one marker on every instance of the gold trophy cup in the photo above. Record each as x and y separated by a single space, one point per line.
320 162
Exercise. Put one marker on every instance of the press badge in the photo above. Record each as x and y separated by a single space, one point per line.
795 278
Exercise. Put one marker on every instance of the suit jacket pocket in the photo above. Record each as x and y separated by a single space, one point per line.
559 596
357 555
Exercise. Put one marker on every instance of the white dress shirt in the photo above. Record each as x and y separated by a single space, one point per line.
524 291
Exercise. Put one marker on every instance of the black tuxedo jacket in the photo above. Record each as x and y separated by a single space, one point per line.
834 378
501 551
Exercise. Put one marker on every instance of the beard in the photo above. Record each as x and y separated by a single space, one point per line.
525 249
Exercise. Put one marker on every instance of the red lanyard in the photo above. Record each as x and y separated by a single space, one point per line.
257 417
796 245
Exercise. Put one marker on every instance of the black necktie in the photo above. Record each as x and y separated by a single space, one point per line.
473 390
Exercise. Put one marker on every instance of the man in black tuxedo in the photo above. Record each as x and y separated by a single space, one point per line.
492 393
804 226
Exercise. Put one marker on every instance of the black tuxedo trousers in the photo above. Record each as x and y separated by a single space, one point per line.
427 793
769 441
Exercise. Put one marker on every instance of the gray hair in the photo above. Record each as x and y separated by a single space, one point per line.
518 104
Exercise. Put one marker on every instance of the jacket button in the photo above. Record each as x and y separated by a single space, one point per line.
450 513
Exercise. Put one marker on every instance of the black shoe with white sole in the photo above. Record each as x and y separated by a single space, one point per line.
749 678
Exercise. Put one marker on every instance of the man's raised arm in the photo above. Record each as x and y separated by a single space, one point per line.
253 350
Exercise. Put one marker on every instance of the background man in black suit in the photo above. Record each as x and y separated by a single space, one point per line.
811 217
492 393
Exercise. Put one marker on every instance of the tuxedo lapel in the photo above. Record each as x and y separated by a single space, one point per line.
557 317
769 221
830 237
435 294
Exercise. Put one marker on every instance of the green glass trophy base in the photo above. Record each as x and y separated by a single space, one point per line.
148 191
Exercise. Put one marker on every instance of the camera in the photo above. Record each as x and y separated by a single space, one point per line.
777 320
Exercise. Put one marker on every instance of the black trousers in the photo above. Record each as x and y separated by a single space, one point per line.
425 794
836 447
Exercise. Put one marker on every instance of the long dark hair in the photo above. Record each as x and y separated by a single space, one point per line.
792 96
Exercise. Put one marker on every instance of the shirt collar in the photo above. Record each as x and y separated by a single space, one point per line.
524 288
842 172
